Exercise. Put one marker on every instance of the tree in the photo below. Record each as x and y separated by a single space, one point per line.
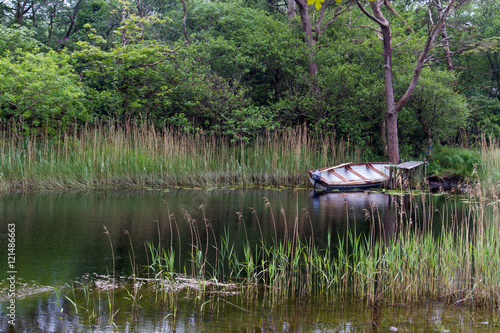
350 95
39 92
313 29
393 107
438 14
18 39
97 19
250 47
440 110
479 69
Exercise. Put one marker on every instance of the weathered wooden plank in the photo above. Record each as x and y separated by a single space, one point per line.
338 176
377 171
334 167
410 165
348 168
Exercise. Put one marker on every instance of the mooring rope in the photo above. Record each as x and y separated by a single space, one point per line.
428 151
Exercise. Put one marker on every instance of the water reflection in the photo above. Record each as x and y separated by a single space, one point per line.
312 316
60 237
364 212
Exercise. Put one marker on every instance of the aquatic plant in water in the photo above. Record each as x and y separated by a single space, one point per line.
408 264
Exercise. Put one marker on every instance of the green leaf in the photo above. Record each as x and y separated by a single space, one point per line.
318 3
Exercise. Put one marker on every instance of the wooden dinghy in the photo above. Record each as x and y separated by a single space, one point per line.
351 176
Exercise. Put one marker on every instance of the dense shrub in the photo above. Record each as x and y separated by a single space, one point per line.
455 161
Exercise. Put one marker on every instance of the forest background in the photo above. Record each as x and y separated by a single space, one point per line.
238 69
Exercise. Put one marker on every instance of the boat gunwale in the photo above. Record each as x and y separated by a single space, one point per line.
346 183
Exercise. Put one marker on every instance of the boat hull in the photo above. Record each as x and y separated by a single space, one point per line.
349 188
350 177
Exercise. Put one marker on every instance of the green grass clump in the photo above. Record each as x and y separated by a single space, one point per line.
490 175
455 161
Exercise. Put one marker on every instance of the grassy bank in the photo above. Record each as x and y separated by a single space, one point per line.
108 156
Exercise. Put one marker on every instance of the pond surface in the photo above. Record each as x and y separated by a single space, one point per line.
66 237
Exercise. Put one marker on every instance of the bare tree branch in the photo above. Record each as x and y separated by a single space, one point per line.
184 17
370 16
407 39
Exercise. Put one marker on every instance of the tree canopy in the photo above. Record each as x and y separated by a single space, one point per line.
240 68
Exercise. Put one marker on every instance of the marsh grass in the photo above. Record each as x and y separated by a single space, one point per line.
459 265
405 260
143 156
490 170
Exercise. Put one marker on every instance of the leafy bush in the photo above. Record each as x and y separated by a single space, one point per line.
148 80
245 124
17 40
454 161
39 93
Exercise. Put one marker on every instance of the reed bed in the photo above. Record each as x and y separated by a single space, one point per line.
142 156
490 170
458 265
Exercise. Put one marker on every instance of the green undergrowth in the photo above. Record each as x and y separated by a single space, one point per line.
470 166
455 161
490 176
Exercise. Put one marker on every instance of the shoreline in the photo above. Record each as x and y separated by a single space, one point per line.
435 184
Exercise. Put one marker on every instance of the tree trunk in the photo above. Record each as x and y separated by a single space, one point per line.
311 42
392 113
446 44
20 11
383 134
292 8
427 131
72 19
392 137
184 18
447 52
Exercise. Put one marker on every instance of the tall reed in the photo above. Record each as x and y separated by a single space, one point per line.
490 170
406 261
112 156
458 265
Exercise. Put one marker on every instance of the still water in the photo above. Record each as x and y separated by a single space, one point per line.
65 237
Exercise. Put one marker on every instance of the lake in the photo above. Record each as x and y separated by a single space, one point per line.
65 239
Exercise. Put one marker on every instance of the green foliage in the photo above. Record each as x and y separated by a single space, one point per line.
434 113
349 98
484 118
95 22
39 93
18 39
203 86
133 26
149 81
249 46
246 123
455 161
